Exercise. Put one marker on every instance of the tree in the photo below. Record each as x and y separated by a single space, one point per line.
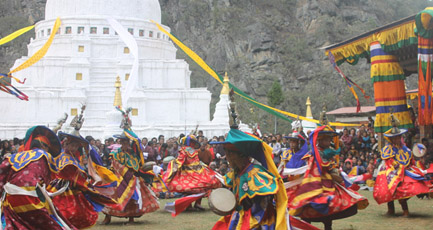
275 97
275 94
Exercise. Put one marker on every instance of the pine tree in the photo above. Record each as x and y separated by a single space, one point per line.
275 97
275 94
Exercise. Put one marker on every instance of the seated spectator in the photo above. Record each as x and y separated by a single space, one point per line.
213 165
223 169
163 151
276 150
360 167
149 152
347 168
374 145
429 150
204 155
219 152
346 138
363 161
353 152
365 141
6 149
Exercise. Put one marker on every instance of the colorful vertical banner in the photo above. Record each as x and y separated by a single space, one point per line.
389 91
425 58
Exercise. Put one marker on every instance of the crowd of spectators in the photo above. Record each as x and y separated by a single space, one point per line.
359 147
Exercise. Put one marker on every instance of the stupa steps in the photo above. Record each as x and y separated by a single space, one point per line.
103 72
102 79
102 82
102 85
98 100
100 89
102 76
100 114
100 96
95 120
99 106
95 105
97 116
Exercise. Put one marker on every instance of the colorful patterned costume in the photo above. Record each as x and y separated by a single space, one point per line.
26 204
261 201
319 197
254 190
80 202
134 198
187 175
398 177
294 165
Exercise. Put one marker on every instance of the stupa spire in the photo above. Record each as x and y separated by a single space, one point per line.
118 94
226 89
308 113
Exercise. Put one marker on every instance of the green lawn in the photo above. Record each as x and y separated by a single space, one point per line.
371 218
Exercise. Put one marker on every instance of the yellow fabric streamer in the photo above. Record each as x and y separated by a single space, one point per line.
281 201
191 53
15 34
387 37
41 52
297 116
210 71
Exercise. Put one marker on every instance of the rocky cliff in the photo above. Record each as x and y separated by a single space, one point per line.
257 42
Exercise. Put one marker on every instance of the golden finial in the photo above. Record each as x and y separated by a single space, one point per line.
226 89
323 119
117 94
308 113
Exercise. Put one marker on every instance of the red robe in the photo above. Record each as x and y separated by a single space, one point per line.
25 170
398 177
187 175
319 195
76 202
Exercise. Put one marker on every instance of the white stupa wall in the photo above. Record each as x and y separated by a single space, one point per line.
137 9
82 64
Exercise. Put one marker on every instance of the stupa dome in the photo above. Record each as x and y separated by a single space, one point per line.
138 9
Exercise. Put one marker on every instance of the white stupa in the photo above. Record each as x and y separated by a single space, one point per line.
83 62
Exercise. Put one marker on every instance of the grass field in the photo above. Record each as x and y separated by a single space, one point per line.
371 218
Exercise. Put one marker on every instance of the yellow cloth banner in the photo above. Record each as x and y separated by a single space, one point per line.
281 196
211 72
191 53
15 34
41 52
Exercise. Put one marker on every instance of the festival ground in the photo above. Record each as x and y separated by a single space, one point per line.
371 218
